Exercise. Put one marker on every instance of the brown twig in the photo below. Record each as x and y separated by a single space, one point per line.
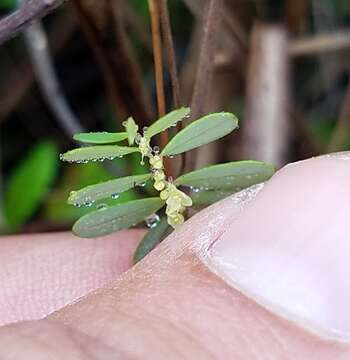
170 52
206 58
230 22
266 130
319 44
104 29
169 48
158 71
205 66
157 56
30 10
19 80
342 130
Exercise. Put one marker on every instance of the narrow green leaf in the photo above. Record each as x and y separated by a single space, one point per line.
29 183
232 175
205 198
114 218
97 153
153 237
167 121
131 128
106 189
203 131
100 137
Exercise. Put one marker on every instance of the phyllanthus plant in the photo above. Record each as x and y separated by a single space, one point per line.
196 189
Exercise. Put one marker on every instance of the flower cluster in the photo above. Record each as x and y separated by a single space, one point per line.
176 200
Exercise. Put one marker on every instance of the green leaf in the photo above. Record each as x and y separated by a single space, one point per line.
203 131
114 218
107 189
167 121
29 183
100 137
153 237
234 175
95 153
131 128
205 198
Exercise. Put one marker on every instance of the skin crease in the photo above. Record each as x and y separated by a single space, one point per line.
169 306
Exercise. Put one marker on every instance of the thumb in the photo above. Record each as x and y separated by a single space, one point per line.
260 275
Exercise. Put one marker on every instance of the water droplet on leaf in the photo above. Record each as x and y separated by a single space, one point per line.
152 220
102 206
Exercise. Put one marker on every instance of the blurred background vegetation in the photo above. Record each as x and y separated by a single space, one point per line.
282 66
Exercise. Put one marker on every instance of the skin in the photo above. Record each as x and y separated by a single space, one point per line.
169 306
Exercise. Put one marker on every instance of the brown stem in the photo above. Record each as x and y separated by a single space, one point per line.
158 70
266 132
30 10
205 64
104 29
206 58
157 56
169 48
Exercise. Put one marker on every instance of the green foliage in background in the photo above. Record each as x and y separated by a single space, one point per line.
29 183
173 196
8 4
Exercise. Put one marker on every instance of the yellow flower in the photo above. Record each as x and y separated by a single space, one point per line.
159 175
144 147
159 185
164 194
156 162
173 204
176 219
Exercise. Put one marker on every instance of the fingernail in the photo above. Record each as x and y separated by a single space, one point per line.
289 249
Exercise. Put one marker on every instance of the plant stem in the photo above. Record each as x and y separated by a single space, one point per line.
205 66
158 70
169 47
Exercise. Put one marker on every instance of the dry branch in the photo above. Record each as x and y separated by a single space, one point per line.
30 10
103 25
169 47
206 57
265 131
319 44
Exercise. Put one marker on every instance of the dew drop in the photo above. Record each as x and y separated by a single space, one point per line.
145 128
152 221
115 196
143 184
156 150
102 206
195 189
88 203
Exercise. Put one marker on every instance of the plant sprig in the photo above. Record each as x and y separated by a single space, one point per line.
204 186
